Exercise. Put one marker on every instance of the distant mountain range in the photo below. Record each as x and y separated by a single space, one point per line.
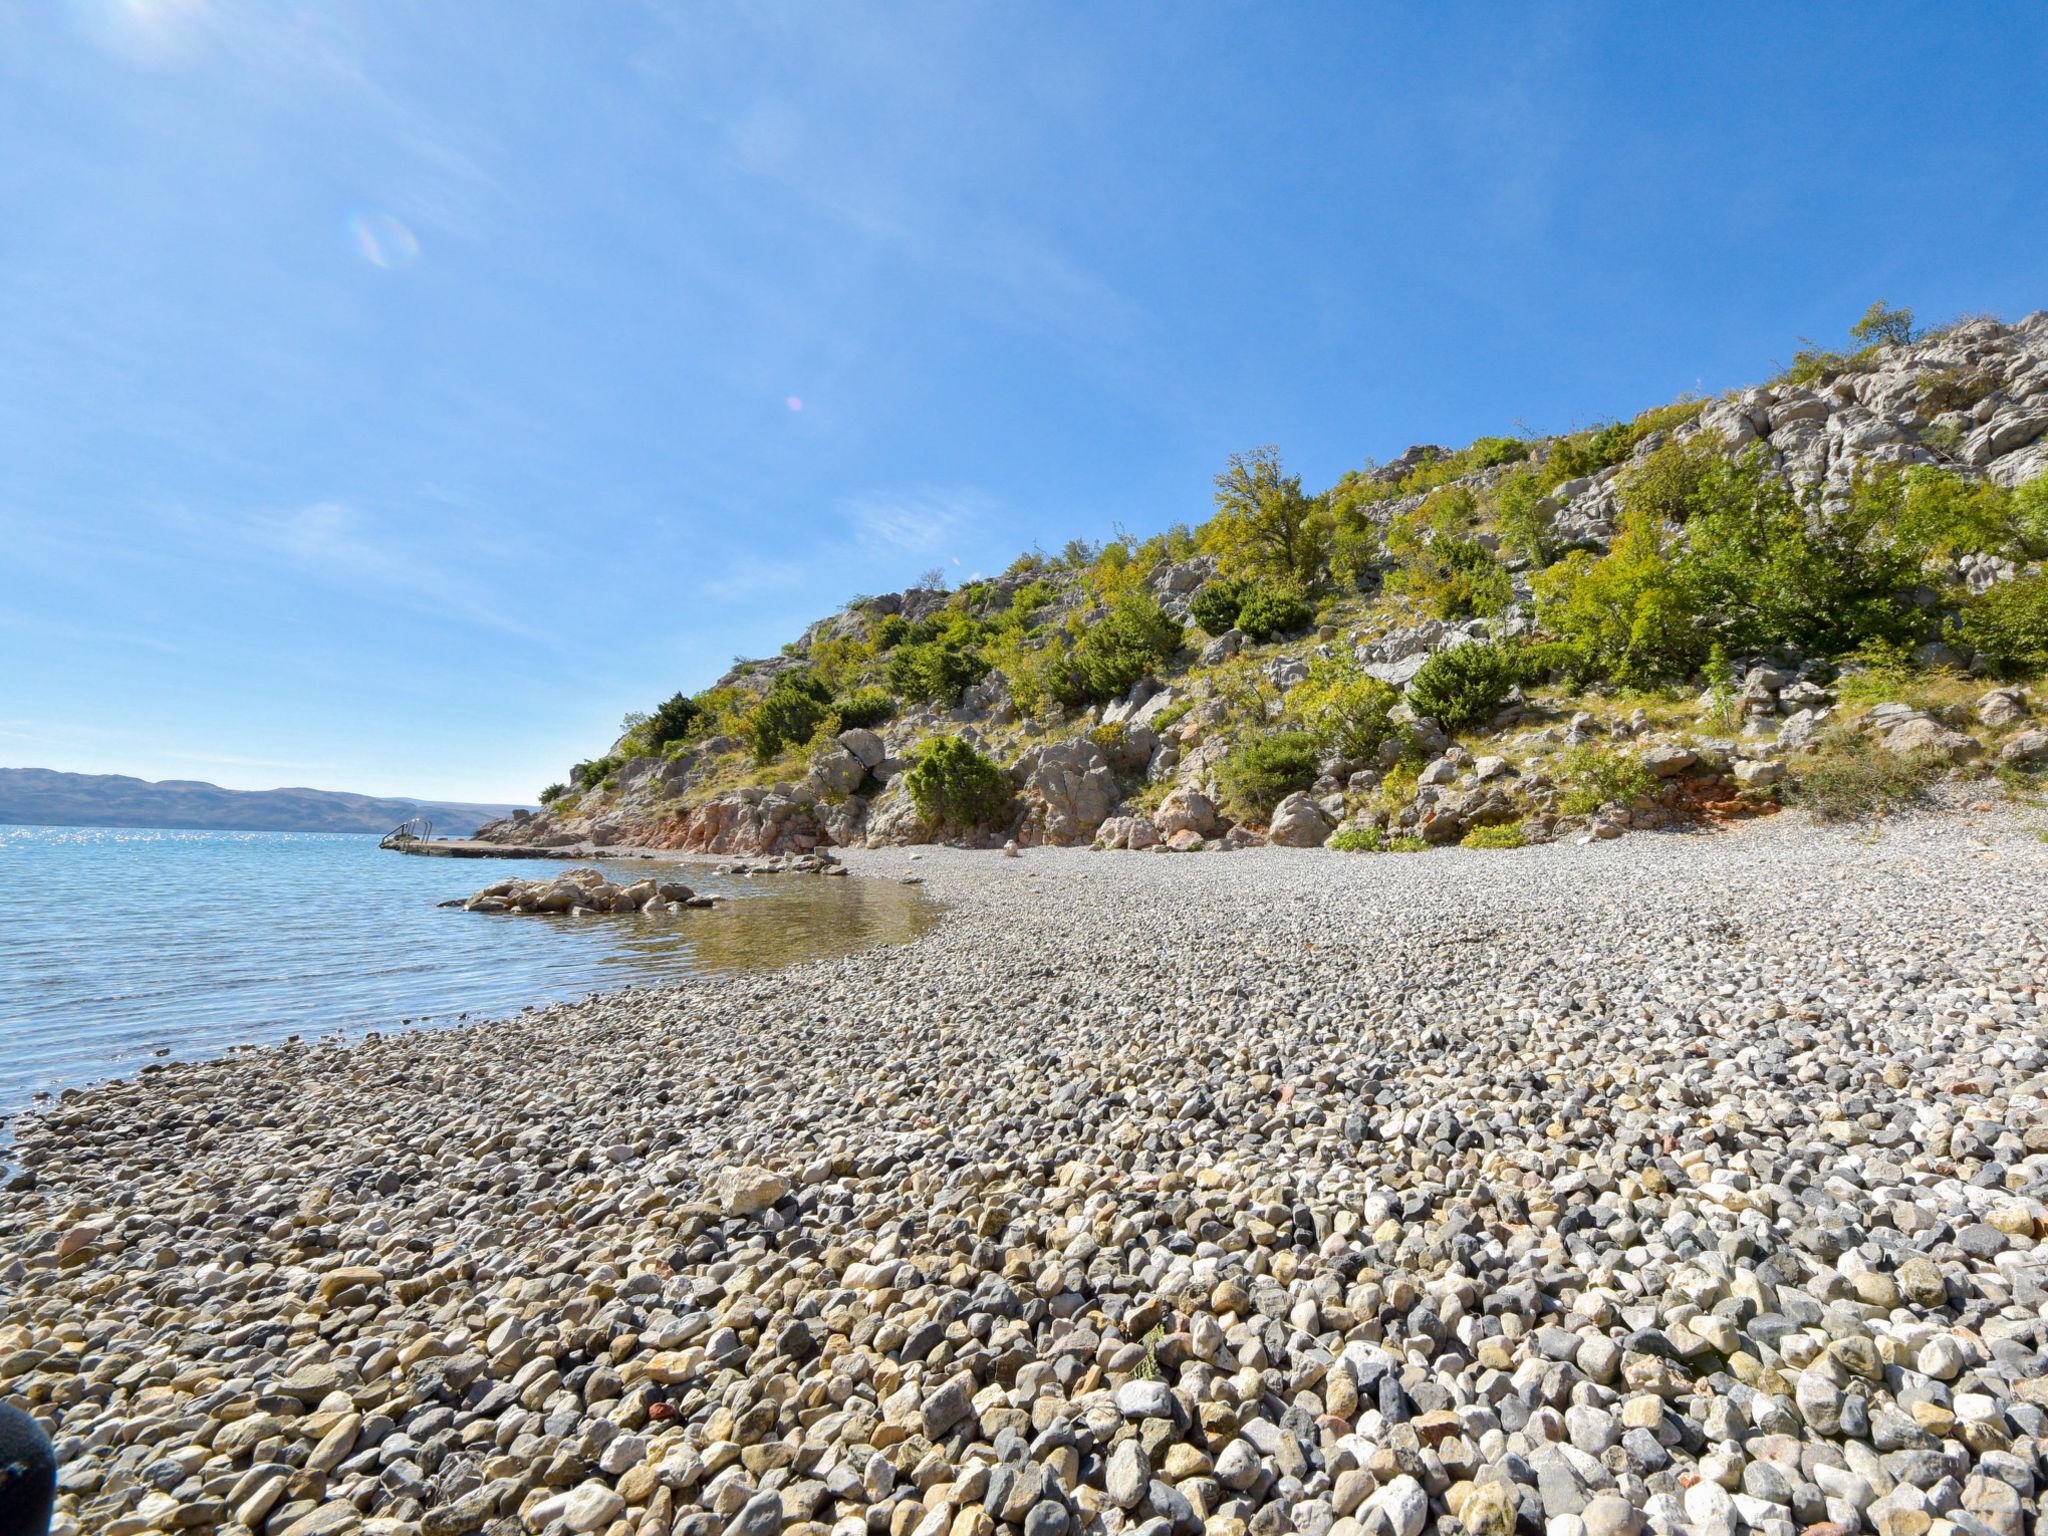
45 797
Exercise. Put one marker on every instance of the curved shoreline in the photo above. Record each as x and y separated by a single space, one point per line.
1263 1193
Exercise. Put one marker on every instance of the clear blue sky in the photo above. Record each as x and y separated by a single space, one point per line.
393 394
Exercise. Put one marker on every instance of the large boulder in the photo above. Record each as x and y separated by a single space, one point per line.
1068 790
2029 749
1185 809
1907 732
836 771
865 745
893 819
2002 706
1298 822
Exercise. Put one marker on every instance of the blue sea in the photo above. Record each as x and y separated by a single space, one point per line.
119 946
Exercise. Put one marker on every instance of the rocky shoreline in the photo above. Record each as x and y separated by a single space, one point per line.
1680 1183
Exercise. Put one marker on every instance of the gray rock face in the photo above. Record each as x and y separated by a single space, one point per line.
1068 790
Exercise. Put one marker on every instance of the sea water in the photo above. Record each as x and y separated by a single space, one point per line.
119 946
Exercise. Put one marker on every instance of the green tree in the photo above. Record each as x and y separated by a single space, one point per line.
677 716
1880 324
1265 524
1216 606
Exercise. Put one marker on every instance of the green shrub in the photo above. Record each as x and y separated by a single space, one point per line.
1511 835
1491 452
934 671
889 631
1215 607
1594 777
1407 842
1756 568
1258 774
1110 655
1847 778
789 714
553 793
678 715
1269 611
1455 578
1343 708
2009 623
1358 840
592 771
954 787
1464 686
865 708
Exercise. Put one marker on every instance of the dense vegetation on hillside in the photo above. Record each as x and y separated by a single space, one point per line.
1712 556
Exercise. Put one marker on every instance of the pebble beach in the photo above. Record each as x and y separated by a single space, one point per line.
1684 1183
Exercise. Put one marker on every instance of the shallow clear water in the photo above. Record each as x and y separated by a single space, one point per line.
118 946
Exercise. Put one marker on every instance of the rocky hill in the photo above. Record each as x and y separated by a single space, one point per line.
45 797
1824 589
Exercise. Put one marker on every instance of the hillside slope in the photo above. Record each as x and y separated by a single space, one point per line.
1827 587
45 797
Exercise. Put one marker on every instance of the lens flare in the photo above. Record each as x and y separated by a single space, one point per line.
795 402
383 241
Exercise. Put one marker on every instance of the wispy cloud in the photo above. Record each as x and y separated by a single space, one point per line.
929 521
337 544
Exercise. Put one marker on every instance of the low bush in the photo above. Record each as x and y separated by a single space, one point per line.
2009 623
1216 605
1848 778
889 631
865 708
1358 840
1343 708
1258 774
1269 611
1511 835
954 787
553 793
1594 777
1464 686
